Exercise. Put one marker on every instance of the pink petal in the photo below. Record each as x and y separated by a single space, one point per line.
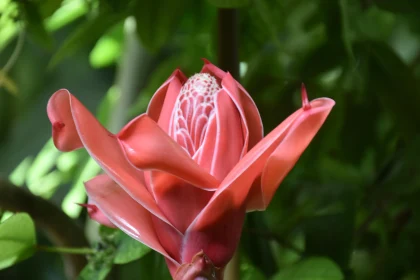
163 101
147 146
180 202
224 140
126 213
220 236
285 143
64 132
104 147
96 214
253 128
285 156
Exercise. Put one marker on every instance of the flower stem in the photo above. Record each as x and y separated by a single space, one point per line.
228 60
228 41
78 251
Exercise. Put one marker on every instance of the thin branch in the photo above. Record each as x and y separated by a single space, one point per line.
77 251
15 54
61 229
228 58
228 41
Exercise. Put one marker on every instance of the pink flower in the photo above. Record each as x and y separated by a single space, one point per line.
181 177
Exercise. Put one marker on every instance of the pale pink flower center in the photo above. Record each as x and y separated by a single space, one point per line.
193 110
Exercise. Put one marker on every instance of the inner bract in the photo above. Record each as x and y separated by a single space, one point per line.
193 110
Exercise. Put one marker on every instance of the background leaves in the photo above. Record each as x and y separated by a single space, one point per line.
17 239
349 207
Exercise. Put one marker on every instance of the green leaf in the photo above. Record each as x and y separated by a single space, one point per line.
39 178
153 266
323 239
97 269
156 24
396 86
48 7
129 249
257 247
67 13
100 264
77 193
17 239
85 34
108 48
401 6
311 269
229 3
35 23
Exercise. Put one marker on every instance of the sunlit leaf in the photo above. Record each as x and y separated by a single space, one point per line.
85 34
48 7
77 193
43 163
67 13
17 239
108 48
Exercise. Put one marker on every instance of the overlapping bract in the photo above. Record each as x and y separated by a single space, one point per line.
181 177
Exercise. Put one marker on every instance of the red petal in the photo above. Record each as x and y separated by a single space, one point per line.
147 146
253 128
181 202
96 214
106 150
286 143
125 213
224 140
213 70
284 157
64 132
162 103
247 108
219 237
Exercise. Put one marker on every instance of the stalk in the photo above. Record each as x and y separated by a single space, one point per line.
228 59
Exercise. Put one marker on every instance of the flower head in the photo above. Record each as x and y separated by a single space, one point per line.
181 177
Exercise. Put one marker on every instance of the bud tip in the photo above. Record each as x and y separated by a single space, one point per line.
305 101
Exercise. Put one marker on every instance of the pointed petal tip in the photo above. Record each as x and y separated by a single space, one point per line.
305 101
206 61
91 208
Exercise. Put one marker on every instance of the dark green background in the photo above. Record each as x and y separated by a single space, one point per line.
354 196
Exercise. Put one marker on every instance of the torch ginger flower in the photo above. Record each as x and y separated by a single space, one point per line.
181 177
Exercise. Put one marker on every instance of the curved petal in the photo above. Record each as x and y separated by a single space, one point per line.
64 131
219 237
147 146
162 103
243 101
125 213
283 140
180 202
105 149
247 108
224 139
285 156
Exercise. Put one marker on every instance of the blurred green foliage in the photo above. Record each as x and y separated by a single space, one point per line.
348 210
